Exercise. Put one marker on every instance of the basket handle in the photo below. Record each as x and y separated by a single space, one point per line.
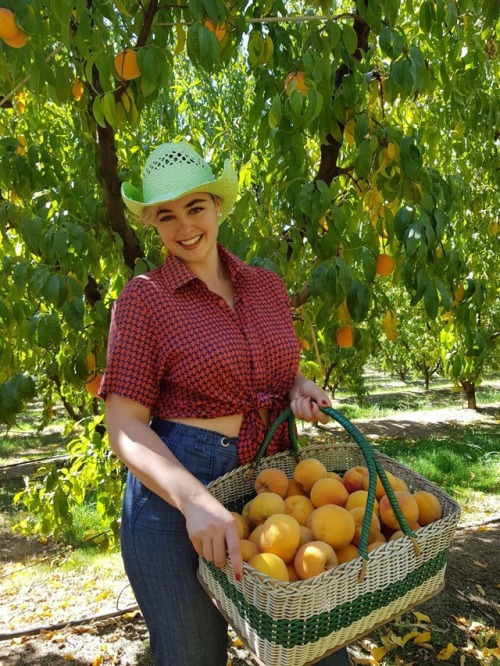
372 462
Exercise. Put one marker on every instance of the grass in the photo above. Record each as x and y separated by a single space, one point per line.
19 446
463 462
394 399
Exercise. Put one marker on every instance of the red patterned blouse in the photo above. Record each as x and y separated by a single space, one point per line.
178 348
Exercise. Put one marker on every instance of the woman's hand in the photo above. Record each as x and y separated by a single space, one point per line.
213 532
306 398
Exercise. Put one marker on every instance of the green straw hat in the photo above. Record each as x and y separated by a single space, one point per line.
174 170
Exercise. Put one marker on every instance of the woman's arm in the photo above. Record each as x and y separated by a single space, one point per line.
306 398
210 526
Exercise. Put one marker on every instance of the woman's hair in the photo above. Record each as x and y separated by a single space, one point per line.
148 213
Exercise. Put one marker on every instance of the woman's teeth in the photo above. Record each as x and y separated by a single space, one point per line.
191 241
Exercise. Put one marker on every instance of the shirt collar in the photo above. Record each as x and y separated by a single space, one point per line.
177 275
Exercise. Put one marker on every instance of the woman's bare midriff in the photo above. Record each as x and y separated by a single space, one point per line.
226 425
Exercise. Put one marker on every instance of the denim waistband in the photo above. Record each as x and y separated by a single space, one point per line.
164 428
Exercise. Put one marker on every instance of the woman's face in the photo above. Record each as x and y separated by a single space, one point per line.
189 226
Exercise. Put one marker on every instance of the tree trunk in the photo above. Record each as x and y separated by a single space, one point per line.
469 388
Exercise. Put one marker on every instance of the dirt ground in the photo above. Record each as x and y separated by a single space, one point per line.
472 591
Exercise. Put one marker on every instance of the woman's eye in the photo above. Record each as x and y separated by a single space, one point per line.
198 209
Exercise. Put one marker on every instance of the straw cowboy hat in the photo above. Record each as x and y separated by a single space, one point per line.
174 170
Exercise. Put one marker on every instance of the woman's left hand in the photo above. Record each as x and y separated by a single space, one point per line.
306 398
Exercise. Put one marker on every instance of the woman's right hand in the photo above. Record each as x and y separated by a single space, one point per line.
213 532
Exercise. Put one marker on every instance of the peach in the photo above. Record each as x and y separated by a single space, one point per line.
248 549
271 480
332 524
306 535
314 558
429 507
328 491
293 576
333 475
407 504
280 535
347 554
255 534
294 489
241 524
399 484
353 478
270 564
359 498
374 545
379 489
299 507
307 472
264 505
358 513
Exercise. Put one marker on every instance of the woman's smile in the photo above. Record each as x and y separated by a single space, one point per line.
191 242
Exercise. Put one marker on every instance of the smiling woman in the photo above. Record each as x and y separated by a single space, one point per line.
202 355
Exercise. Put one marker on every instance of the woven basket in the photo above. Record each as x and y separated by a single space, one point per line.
293 624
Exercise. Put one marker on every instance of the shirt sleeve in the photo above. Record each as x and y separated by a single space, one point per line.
132 355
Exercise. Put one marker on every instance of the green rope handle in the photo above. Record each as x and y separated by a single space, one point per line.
372 462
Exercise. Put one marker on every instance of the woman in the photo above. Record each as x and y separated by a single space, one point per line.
201 357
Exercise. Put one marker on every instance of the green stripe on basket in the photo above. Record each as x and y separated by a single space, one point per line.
290 633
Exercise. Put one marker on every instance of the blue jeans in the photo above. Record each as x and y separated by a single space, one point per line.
185 627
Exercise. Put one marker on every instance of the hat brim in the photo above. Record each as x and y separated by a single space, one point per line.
225 187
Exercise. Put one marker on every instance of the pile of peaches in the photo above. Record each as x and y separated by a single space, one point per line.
296 528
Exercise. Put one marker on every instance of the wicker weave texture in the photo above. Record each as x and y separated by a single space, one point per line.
290 624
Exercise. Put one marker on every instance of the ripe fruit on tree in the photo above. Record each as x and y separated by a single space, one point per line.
92 385
19 40
345 336
77 89
385 265
126 65
8 25
298 78
219 29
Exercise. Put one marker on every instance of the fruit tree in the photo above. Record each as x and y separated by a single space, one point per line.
364 132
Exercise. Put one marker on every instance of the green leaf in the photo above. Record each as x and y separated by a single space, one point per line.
275 112
431 300
358 300
369 264
350 38
363 161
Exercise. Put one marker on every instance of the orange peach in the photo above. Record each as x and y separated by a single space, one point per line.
280 535
347 554
314 558
429 507
248 549
353 478
399 484
407 504
306 535
374 545
328 491
307 472
360 498
270 564
379 489
299 507
255 534
293 576
332 524
241 524
333 475
264 505
294 489
271 480
358 513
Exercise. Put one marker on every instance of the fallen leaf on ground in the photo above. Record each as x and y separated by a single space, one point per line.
422 638
480 564
480 589
421 617
447 652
